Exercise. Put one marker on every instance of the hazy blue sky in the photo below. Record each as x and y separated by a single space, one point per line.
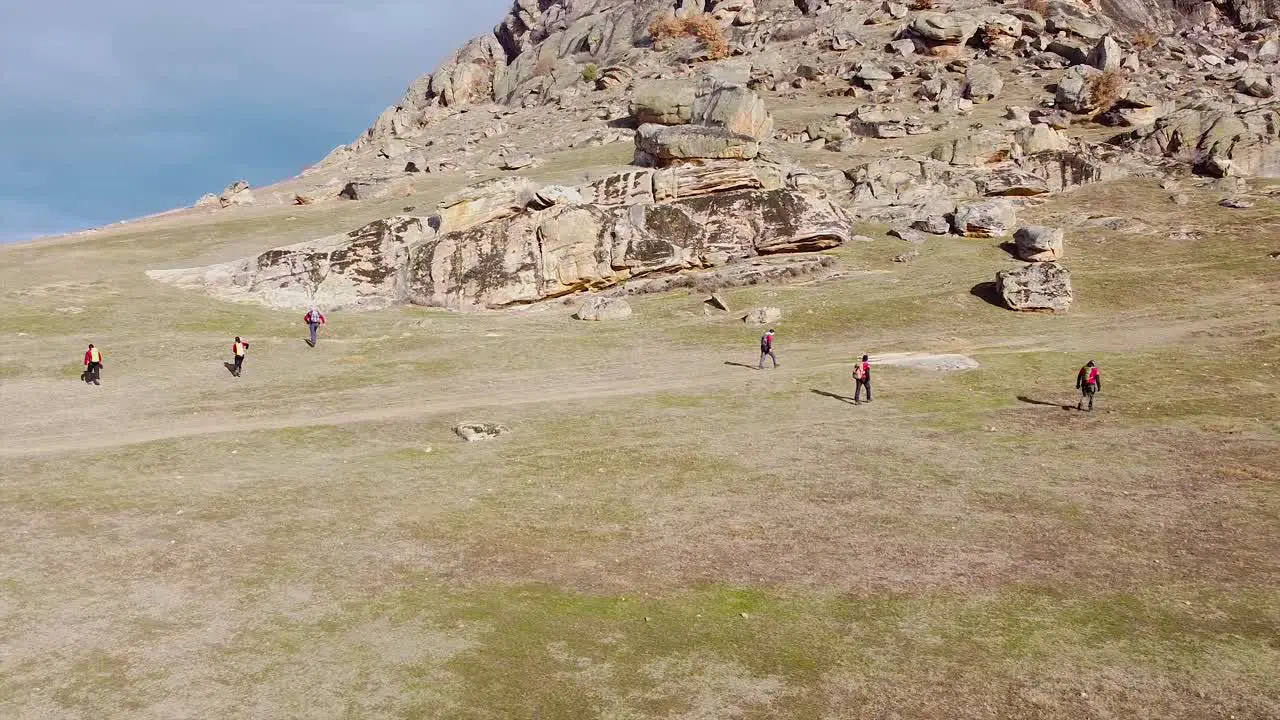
111 110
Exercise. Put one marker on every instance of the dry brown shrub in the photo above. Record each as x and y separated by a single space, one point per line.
1106 89
922 5
703 27
665 27
1040 6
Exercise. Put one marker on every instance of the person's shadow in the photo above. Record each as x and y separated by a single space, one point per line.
231 367
741 365
1033 401
841 398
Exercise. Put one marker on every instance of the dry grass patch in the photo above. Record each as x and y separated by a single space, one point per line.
702 27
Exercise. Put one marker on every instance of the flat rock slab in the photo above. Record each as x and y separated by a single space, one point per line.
924 361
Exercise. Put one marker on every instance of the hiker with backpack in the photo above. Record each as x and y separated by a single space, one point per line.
314 319
766 349
93 365
861 379
238 349
1088 382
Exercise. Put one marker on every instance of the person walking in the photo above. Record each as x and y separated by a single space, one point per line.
766 349
1088 382
238 349
862 379
93 365
314 319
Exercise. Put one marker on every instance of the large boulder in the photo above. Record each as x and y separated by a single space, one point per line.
950 28
663 102
1037 243
1075 89
1039 138
661 144
736 109
604 308
978 148
1256 83
1043 287
988 218
982 83
483 202
1106 55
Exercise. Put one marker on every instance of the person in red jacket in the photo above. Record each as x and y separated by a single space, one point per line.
862 379
238 349
1088 382
766 349
314 319
93 365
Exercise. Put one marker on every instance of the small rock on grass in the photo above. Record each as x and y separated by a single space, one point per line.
477 431
763 316
1236 203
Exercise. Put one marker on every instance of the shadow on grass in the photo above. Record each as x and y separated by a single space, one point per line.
1033 401
231 368
841 398
988 292
741 365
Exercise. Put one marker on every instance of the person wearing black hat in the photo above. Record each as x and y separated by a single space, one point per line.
1088 382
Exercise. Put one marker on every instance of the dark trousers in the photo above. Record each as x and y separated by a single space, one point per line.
768 354
1086 393
314 327
239 363
93 373
857 391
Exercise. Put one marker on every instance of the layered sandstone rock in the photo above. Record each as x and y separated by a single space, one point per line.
362 268
507 241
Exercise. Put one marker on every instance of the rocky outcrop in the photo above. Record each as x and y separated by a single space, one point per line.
1216 141
237 193
539 254
507 241
1039 287
360 269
